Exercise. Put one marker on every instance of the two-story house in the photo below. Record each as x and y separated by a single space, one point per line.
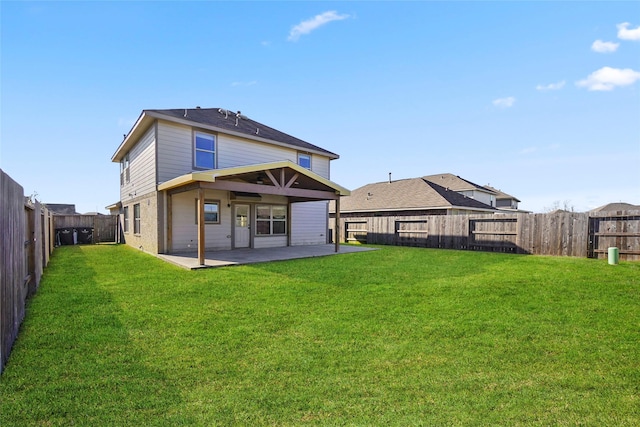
464 187
210 179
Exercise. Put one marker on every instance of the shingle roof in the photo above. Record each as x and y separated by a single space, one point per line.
454 182
62 209
406 194
236 122
618 206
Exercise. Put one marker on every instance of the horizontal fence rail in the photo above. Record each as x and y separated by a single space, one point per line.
558 234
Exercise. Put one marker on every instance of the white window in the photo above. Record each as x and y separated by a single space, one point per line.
271 220
304 160
204 151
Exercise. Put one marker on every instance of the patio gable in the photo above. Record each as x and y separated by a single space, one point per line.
283 178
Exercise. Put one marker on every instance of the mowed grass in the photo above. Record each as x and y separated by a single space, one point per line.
398 336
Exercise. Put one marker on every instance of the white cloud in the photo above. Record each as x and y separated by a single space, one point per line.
504 102
604 47
528 150
551 86
625 34
607 78
305 27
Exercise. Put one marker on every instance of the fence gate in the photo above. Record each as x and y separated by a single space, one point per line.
493 234
411 233
355 231
618 230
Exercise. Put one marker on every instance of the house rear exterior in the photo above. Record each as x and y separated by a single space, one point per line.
210 179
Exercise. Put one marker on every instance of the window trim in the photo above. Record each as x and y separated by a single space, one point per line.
136 218
196 133
271 220
211 202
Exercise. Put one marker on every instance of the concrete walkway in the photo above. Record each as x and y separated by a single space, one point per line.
249 256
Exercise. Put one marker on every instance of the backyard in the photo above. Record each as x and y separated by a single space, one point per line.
397 336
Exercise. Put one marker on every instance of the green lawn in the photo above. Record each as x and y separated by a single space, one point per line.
398 336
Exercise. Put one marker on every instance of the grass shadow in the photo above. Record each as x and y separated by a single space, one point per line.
76 362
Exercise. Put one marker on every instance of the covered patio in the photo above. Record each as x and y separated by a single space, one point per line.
250 256
283 179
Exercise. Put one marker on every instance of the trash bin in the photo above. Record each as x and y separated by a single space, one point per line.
614 256
85 235
64 236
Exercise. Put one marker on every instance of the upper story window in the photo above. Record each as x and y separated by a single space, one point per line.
204 150
304 160
124 170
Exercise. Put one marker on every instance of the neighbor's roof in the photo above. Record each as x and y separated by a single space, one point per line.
216 120
619 206
500 195
62 209
407 194
455 183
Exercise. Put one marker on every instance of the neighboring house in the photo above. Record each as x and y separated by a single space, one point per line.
503 200
211 179
464 187
413 197
617 206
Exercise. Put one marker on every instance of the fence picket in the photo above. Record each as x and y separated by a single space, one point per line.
557 233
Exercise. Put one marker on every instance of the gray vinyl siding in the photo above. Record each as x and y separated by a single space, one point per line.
185 229
142 171
234 151
309 223
261 242
175 151
320 165
480 196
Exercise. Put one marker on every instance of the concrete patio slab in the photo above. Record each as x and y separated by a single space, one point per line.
250 256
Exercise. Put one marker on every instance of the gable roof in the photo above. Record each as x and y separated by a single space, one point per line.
455 183
217 120
314 180
407 194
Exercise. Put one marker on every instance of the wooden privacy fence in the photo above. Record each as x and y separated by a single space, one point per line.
87 228
25 245
559 234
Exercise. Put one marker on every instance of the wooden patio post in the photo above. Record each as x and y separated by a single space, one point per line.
336 226
201 243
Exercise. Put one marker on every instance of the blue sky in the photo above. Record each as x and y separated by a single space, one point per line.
538 99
